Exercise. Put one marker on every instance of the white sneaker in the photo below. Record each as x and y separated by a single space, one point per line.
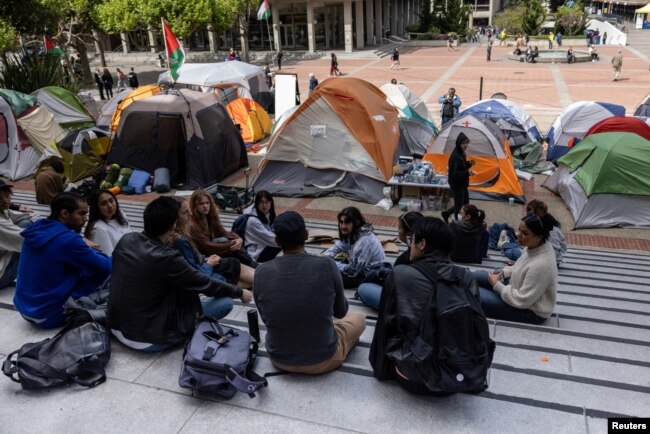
503 239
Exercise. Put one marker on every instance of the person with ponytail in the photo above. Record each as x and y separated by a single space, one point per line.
526 291
468 234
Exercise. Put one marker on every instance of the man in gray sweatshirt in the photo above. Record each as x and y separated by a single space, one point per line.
301 301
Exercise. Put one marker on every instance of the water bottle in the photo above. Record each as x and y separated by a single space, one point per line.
253 324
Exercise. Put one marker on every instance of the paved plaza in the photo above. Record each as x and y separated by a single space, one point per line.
589 361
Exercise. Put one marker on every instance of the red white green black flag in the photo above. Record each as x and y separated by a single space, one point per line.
51 46
175 54
264 12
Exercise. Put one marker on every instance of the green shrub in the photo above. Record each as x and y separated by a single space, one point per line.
26 73
425 37
413 28
435 30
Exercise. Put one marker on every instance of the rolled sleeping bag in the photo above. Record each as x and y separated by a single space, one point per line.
123 179
161 181
111 176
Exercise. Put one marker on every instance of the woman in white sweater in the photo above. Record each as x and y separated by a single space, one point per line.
259 238
526 291
106 222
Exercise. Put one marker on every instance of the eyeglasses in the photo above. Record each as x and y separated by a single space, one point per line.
402 218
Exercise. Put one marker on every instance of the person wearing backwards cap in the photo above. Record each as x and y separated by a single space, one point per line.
458 176
301 301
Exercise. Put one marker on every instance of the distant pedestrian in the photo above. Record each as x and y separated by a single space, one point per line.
502 38
278 58
558 39
394 57
551 38
237 56
107 80
605 38
100 83
450 105
121 80
267 74
489 49
133 79
313 83
334 66
450 42
617 63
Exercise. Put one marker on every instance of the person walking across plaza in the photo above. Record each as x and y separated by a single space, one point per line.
100 83
617 63
334 66
278 58
394 57
313 83
489 49
458 177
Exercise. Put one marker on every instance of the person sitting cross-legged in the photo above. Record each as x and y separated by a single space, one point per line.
525 292
357 250
301 301
154 300
56 263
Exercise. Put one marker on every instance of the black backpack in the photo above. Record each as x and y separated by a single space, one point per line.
453 350
239 225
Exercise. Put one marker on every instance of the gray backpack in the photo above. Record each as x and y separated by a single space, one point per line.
219 359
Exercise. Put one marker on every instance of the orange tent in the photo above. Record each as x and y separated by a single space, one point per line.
495 176
253 121
139 93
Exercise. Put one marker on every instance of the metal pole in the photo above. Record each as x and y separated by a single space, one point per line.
480 90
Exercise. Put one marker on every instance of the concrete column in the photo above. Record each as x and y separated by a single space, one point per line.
359 23
394 12
402 16
378 22
212 39
311 35
275 16
151 33
328 33
370 23
124 37
386 14
347 25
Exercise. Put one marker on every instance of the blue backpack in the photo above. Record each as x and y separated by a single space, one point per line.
239 225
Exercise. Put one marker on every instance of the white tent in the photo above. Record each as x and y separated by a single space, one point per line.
208 74
18 158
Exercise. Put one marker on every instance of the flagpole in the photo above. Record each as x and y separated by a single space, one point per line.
268 29
162 24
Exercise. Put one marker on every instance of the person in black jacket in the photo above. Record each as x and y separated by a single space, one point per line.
107 80
404 299
458 176
467 234
100 83
154 300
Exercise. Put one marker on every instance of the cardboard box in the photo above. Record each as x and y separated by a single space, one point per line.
411 192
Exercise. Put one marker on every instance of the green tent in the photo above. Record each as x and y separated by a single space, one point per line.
67 109
605 180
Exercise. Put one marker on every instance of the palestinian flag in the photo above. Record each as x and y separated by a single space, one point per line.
51 46
175 54
264 12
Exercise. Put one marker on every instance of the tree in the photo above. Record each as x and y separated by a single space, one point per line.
27 17
426 16
511 19
454 17
7 36
533 17
571 21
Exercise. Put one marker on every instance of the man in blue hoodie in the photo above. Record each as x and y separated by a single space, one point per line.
56 262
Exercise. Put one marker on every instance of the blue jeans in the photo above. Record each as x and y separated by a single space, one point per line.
494 306
511 250
370 294
11 271
217 307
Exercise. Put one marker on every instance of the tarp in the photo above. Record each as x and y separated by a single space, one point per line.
19 102
605 181
202 76
574 122
495 176
190 133
342 140
67 109
416 127
519 126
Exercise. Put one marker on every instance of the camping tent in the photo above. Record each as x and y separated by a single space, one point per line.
644 108
106 112
67 109
135 94
82 152
574 122
416 127
17 157
621 124
188 132
252 119
514 120
341 141
202 76
605 181
495 177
